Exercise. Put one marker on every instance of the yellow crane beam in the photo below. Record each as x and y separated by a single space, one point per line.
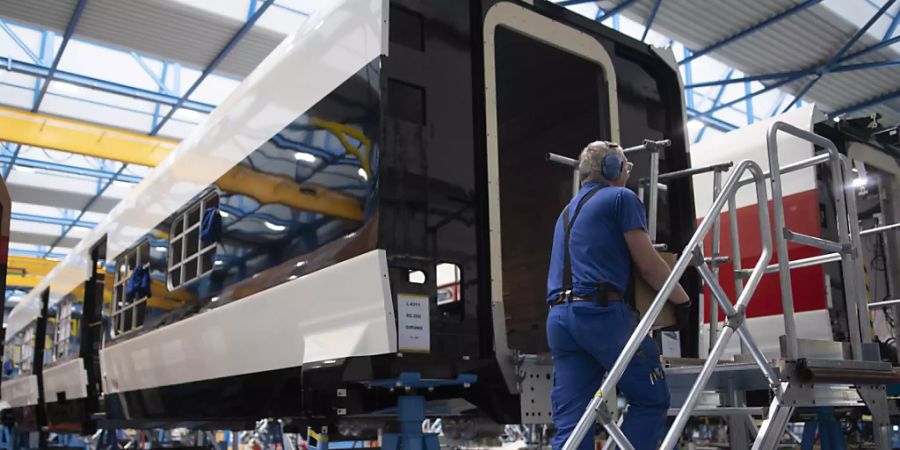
23 271
83 138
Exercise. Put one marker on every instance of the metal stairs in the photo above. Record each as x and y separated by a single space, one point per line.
795 381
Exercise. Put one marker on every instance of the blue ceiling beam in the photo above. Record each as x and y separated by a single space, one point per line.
866 104
759 26
67 36
713 122
616 10
763 77
835 59
744 98
892 27
214 64
36 70
15 37
574 2
66 169
715 102
11 161
878 46
35 253
86 207
865 66
156 78
51 220
650 19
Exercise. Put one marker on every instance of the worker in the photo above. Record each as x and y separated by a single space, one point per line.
598 237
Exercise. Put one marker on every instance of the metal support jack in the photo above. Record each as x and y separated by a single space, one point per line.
411 410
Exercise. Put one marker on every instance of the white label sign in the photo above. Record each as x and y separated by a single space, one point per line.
413 332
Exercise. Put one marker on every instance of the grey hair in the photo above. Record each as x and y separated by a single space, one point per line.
590 162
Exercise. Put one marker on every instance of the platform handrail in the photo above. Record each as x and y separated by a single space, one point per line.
689 256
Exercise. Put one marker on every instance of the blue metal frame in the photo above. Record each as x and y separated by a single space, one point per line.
892 27
36 70
650 19
15 37
35 253
834 60
159 124
156 79
759 26
65 168
616 10
215 63
86 207
866 104
715 102
51 220
70 29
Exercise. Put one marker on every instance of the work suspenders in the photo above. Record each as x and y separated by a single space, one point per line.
567 281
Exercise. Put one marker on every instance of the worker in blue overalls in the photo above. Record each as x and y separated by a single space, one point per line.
598 236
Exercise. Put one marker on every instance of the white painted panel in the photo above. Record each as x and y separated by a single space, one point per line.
750 143
341 311
767 329
20 391
337 41
68 377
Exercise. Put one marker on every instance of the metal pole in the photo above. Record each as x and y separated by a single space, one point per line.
880 229
713 305
860 294
837 182
654 193
787 300
736 253
674 433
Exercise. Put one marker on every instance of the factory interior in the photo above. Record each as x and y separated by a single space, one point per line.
351 224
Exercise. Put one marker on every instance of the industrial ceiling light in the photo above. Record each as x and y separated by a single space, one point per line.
305 157
362 174
274 226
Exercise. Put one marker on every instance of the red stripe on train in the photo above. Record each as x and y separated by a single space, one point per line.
802 214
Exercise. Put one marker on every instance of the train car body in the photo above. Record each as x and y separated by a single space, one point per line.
819 307
371 201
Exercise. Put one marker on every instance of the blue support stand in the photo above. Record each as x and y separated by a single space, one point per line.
411 410
410 414
6 441
831 437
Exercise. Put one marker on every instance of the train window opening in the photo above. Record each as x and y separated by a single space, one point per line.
449 283
129 307
190 255
26 362
66 327
416 277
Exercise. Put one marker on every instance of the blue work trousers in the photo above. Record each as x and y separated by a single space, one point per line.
585 340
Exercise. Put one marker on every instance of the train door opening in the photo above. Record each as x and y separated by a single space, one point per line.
549 88
92 325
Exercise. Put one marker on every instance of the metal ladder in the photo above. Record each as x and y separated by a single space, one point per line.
787 394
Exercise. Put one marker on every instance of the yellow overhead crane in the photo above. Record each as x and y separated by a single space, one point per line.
73 136
27 272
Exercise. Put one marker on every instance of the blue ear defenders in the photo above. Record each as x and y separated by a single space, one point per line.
611 167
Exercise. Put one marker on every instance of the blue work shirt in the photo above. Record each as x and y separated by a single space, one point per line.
597 244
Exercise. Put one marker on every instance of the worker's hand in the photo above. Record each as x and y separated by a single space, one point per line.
682 316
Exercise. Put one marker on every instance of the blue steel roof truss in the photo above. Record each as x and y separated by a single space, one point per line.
158 124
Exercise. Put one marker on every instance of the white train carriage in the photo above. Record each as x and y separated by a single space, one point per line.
386 150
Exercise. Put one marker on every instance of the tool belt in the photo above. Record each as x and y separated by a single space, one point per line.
601 297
